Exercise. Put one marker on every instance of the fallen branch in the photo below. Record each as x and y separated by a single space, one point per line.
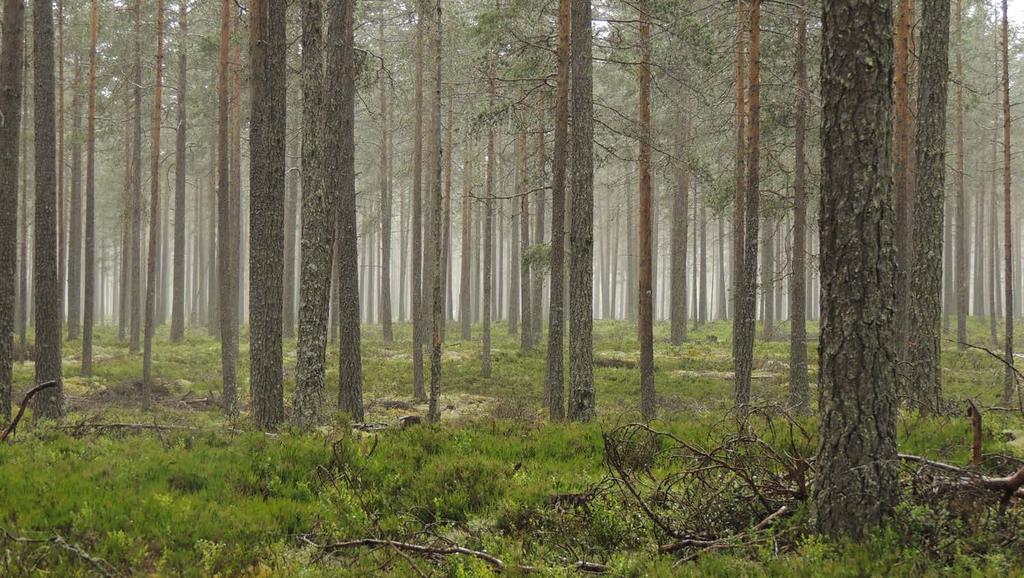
21 410
420 549
102 567
1010 485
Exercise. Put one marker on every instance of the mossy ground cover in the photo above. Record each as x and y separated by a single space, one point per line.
213 497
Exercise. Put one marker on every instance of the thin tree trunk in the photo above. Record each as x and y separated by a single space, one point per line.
290 225
539 202
903 160
799 390
436 253
554 379
739 202
136 164
962 222
385 203
746 313
180 167
680 221
227 235
465 279
648 403
74 256
527 337
154 216
488 240
417 291
1009 386
89 301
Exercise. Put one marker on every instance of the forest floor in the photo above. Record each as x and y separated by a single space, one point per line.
180 490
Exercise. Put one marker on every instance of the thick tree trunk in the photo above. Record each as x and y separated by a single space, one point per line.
180 167
904 181
339 171
581 238
926 298
318 217
12 47
267 50
45 288
857 475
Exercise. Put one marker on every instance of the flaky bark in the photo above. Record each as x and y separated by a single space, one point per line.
267 50
581 237
12 46
924 347
318 217
857 483
339 173
45 288
554 379
227 235
746 312
799 391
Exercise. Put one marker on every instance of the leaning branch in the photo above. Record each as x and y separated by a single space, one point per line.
21 410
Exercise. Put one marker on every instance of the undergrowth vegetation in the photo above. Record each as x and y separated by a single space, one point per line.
181 491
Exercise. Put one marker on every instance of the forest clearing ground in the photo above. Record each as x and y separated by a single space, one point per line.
181 490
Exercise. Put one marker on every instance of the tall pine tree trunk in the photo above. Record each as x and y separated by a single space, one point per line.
12 46
89 300
581 405
799 391
857 483
180 166
227 235
648 403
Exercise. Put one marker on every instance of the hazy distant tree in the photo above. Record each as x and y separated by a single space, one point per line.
488 240
417 289
136 220
385 200
581 286
74 267
180 168
12 45
680 206
465 277
89 299
857 482
339 171
962 221
318 208
45 289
